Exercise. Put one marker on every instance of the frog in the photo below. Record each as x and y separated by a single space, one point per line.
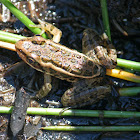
85 70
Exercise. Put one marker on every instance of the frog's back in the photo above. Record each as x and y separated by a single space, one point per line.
56 59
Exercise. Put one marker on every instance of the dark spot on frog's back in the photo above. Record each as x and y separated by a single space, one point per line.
42 43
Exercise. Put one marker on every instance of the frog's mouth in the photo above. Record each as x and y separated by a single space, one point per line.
29 60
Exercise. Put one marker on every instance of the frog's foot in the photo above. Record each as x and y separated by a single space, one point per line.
46 88
47 27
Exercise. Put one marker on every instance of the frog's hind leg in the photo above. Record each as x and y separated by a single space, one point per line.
100 50
49 28
91 96
85 92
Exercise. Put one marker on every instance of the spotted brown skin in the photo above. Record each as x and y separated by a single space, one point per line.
86 71
56 59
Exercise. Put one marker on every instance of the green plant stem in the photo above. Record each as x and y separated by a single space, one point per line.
24 19
9 37
128 64
131 91
92 128
74 112
105 18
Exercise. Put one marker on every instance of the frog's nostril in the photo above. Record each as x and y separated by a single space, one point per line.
19 50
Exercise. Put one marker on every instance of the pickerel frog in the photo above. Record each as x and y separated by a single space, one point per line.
86 70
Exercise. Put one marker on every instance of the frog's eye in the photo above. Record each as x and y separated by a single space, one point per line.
31 60
33 63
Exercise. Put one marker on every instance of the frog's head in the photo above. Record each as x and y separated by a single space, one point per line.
29 50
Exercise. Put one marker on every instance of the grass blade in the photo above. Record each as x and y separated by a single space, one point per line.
105 18
92 128
74 112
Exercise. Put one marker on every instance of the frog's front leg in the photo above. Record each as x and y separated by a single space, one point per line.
48 27
83 93
46 88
